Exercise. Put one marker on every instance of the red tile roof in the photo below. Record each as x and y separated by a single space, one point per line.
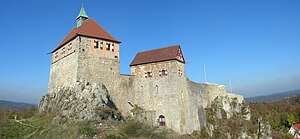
88 28
158 55
297 126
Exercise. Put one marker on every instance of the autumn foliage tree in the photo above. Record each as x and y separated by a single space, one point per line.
280 114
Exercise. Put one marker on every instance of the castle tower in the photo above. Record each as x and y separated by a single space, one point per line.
159 85
88 53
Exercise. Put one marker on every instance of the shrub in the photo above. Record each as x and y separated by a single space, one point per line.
87 132
136 129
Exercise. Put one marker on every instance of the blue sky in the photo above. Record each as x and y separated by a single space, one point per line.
256 43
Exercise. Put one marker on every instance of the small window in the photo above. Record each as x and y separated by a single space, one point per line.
112 48
116 56
163 73
56 55
148 74
156 89
107 46
63 50
96 43
101 45
141 89
70 46
180 72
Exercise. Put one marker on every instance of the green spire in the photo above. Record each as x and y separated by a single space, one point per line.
82 16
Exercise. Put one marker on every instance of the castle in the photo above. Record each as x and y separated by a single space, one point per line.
157 83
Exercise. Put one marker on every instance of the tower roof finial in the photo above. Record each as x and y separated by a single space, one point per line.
82 13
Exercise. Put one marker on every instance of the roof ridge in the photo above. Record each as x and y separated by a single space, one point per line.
160 48
157 55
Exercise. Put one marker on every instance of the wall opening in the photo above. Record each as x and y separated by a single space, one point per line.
156 89
161 120
141 89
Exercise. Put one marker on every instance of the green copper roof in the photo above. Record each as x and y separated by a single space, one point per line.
82 13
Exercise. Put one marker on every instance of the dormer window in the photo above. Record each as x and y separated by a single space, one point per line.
107 46
96 43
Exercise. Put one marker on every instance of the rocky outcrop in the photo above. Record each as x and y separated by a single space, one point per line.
229 116
83 101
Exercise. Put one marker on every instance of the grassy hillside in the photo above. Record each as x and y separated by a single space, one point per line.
30 125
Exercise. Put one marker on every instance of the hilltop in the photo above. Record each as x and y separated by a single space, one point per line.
274 97
10 105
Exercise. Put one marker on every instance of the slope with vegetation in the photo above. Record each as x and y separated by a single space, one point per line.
280 114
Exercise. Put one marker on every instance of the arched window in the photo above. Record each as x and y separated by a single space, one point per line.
161 120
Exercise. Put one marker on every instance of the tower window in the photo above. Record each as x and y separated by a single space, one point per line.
112 48
163 73
107 46
156 89
56 55
70 46
101 45
63 50
96 43
179 72
148 74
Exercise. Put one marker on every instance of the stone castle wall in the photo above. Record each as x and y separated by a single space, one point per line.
96 65
198 96
180 100
159 94
63 68
79 60
123 93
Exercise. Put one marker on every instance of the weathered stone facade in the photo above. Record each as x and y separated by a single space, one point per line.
79 60
160 88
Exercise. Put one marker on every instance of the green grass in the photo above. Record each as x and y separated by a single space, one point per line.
14 130
42 127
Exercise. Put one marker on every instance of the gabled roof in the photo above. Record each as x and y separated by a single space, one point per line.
88 28
297 126
158 55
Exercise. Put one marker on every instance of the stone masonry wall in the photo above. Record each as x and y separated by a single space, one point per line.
159 94
198 97
96 65
123 93
63 68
